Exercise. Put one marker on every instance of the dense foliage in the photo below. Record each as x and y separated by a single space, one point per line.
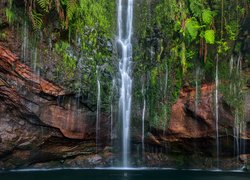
177 40
175 44
80 37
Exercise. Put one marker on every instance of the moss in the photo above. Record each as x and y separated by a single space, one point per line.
171 37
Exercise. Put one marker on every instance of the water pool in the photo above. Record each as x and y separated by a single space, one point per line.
119 174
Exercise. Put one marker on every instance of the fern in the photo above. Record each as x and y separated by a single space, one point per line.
207 16
196 6
37 20
83 4
232 30
44 4
192 27
71 8
210 36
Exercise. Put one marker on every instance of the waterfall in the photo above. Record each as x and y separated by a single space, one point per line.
166 81
98 110
197 74
113 115
236 133
217 109
238 122
25 42
124 45
143 121
35 59
235 84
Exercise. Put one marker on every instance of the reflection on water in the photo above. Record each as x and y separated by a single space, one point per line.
133 174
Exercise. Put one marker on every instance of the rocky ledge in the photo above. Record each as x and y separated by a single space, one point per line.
38 129
35 126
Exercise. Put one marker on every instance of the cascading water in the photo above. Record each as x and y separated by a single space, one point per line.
166 81
25 42
236 133
197 74
98 110
143 121
34 58
124 45
217 108
237 122
112 117
235 85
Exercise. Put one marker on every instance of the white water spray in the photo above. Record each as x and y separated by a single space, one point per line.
125 25
197 74
25 42
143 121
217 109
98 110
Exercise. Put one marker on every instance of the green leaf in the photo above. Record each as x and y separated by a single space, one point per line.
71 8
207 16
44 4
232 29
192 27
196 6
37 20
210 36
177 26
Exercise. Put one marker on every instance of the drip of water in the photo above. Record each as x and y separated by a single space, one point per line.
35 60
235 75
197 73
238 68
217 109
112 105
125 22
79 68
25 40
98 113
143 122
112 111
231 65
236 133
166 81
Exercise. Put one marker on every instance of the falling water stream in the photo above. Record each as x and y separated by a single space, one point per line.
98 103
197 74
124 46
166 81
217 108
143 121
25 42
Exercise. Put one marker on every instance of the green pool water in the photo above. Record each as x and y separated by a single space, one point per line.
118 174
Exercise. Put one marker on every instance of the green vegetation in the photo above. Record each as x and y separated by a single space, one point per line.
183 35
172 39
80 33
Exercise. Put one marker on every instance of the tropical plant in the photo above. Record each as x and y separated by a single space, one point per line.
9 12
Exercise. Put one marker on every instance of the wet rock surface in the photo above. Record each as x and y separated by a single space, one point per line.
189 121
36 128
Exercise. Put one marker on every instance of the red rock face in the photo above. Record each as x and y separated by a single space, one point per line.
188 121
23 75
23 89
72 123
